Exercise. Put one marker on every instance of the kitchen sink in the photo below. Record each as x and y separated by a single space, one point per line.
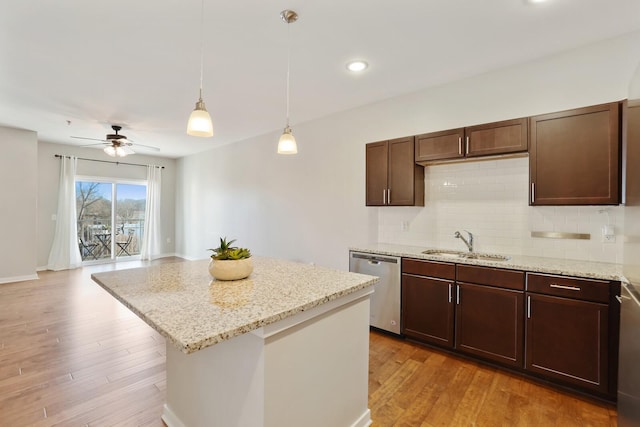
468 255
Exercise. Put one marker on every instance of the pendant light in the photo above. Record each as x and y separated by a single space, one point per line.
287 143
200 121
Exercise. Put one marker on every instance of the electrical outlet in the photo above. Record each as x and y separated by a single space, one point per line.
404 225
608 234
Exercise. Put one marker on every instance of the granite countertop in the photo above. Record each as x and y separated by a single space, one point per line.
565 267
193 311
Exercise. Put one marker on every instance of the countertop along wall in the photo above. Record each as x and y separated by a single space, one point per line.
310 207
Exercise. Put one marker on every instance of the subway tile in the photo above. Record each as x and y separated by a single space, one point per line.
490 199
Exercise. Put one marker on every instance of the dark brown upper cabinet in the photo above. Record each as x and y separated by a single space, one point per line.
574 158
490 139
392 176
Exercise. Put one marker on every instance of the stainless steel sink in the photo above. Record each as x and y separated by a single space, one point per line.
444 253
467 255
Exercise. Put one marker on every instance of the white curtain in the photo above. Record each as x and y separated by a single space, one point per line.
65 252
151 236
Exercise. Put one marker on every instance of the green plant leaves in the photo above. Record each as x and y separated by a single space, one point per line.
227 252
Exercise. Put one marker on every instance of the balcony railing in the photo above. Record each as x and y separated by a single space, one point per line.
96 238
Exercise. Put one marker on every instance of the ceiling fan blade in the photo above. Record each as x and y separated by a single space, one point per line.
147 146
102 144
127 149
90 139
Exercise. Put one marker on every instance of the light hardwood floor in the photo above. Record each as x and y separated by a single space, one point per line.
71 355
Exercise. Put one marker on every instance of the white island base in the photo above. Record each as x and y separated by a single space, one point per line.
310 369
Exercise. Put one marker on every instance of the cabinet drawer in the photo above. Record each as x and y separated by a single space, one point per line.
509 279
583 289
440 270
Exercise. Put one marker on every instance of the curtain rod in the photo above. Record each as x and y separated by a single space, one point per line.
108 161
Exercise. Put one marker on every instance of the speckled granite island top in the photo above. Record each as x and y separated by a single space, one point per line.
192 310
565 267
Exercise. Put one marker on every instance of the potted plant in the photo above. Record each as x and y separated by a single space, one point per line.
230 262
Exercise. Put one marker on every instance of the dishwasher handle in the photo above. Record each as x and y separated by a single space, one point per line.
375 259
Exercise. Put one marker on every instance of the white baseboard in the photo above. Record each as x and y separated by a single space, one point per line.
188 258
364 420
169 418
18 278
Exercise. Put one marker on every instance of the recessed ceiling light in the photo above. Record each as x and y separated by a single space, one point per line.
357 66
535 1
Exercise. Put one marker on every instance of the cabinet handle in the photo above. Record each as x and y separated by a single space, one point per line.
389 196
460 145
458 295
528 307
568 288
533 192
466 148
384 197
450 293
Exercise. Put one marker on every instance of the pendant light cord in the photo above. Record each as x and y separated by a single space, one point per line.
201 46
288 66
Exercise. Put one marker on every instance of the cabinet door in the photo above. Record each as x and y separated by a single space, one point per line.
490 323
427 309
574 157
376 173
440 145
510 136
568 340
402 173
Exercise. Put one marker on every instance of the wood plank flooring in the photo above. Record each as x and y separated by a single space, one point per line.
71 355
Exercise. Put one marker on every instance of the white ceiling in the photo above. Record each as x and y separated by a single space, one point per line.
137 63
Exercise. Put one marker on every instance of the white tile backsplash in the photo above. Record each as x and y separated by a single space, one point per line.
490 199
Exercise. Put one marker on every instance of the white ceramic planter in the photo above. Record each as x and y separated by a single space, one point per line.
230 269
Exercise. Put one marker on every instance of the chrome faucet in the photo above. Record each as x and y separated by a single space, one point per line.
469 242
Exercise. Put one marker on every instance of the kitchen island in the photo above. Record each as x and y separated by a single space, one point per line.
287 346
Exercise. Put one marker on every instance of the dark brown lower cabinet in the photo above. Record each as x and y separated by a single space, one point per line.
427 309
489 323
568 340
559 328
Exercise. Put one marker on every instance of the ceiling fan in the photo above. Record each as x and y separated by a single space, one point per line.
116 144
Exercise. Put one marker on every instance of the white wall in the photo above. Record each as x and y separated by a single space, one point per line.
48 177
310 207
18 174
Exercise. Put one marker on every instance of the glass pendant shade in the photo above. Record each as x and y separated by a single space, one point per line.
200 121
287 143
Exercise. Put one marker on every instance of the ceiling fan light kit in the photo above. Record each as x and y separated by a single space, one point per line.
200 123
115 151
287 142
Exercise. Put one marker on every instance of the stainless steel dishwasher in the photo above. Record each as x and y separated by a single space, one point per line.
385 301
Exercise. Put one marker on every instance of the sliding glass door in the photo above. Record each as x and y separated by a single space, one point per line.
110 218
